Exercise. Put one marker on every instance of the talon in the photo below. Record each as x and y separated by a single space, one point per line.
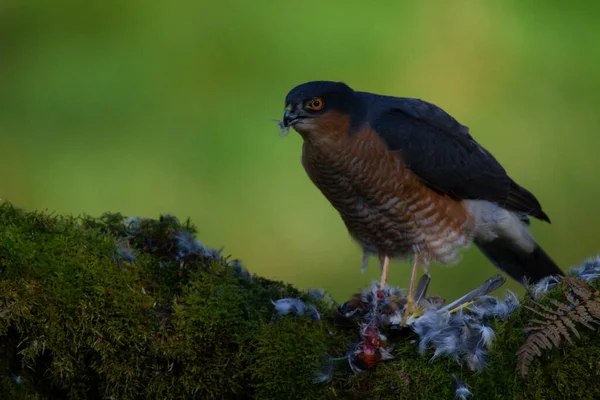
408 310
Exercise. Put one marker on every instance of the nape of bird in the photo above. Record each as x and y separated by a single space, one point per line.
409 181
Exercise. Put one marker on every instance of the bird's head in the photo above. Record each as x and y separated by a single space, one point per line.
318 108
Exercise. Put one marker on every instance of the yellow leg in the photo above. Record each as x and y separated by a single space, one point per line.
459 307
385 266
410 299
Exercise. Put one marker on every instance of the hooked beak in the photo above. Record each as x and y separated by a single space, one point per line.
291 117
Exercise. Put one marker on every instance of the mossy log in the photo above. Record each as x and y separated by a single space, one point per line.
122 308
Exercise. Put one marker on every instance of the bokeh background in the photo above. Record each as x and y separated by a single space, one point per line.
167 107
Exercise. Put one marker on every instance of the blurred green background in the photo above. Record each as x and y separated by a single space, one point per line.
166 107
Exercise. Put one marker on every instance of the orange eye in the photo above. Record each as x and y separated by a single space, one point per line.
316 104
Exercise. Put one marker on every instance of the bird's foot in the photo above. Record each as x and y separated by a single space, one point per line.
408 310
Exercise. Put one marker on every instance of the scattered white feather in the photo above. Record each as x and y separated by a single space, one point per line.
463 336
317 293
385 354
487 335
314 312
486 307
326 374
289 305
350 356
187 244
446 344
462 390
544 285
477 359
124 252
283 130
296 306
588 270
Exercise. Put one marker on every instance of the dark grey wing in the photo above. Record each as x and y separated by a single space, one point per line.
441 152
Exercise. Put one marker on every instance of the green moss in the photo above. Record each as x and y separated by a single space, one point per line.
78 320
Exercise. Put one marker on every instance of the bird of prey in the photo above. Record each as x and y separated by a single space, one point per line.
409 181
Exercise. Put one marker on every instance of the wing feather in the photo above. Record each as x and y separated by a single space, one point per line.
441 152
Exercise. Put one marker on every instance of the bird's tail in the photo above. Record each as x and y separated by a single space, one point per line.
521 265
504 237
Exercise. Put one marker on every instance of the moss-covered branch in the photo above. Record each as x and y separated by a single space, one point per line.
135 308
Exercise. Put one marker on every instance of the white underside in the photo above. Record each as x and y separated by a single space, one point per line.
493 222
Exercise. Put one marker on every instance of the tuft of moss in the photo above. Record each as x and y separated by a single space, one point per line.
133 308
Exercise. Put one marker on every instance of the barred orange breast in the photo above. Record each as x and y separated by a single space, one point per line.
384 206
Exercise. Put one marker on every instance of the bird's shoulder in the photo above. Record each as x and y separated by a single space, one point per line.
405 114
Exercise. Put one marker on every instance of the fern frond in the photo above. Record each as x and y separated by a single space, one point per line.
569 323
538 312
562 308
581 305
